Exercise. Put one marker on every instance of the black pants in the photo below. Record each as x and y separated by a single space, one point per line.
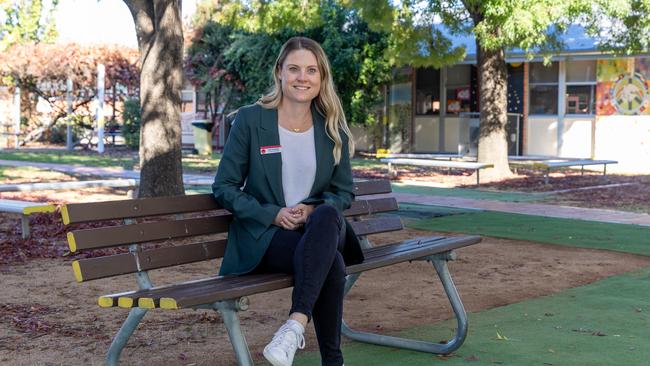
312 255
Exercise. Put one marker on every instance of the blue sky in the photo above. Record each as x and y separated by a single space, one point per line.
100 21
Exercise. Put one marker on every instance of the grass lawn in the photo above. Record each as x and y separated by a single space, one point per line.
191 163
579 233
470 193
63 157
605 323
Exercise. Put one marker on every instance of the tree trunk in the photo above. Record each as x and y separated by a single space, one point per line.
160 40
493 85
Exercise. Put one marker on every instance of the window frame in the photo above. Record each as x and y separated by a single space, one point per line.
555 84
592 83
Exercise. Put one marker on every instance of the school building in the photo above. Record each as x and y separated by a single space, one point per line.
584 104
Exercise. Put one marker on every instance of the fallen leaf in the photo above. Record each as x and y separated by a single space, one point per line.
501 338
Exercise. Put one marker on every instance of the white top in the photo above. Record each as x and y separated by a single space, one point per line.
298 164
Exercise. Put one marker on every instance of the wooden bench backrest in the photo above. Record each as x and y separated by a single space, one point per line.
148 221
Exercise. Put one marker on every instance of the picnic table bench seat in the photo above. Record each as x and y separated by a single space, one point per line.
174 219
24 209
469 165
549 165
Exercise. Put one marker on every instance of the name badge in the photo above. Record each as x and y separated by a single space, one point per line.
273 149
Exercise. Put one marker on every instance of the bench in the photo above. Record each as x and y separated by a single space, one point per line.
175 219
548 165
24 209
419 156
469 165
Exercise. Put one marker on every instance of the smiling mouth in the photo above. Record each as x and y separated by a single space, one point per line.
302 87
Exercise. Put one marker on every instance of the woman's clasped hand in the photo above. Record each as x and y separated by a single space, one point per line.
292 218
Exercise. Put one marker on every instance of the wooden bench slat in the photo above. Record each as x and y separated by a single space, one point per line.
101 267
157 206
441 245
362 188
140 233
184 296
98 211
110 300
272 283
392 249
377 225
216 283
369 207
224 286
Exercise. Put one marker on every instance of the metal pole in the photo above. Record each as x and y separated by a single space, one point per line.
17 113
101 70
68 135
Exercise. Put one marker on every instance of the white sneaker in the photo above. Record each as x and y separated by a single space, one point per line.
284 344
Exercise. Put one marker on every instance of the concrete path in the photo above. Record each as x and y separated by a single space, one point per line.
537 209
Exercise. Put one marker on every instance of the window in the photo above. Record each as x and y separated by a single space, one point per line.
543 88
201 106
580 87
427 91
461 89
187 101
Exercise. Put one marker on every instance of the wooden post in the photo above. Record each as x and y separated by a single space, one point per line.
100 108
17 114
68 134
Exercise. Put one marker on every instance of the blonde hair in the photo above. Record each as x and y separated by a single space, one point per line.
327 101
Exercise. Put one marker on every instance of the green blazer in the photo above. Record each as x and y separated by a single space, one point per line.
255 206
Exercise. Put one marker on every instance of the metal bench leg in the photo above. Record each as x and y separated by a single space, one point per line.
228 310
24 223
440 264
123 335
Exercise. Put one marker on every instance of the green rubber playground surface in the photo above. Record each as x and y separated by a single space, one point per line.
605 323
470 193
577 233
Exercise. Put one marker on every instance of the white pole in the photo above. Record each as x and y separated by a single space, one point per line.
68 136
17 114
100 108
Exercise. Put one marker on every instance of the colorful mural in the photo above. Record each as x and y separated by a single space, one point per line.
623 87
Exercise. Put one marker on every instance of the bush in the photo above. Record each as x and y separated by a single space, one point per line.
131 121
81 129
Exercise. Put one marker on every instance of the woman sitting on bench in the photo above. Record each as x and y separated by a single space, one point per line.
291 154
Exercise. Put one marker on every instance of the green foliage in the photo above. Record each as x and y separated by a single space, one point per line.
81 126
131 121
534 26
622 25
243 56
27 21
261 15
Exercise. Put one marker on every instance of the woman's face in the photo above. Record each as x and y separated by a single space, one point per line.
300 77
